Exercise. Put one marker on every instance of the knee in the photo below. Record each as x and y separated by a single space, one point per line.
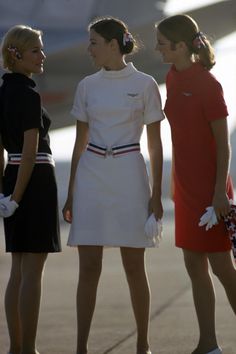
219 271
15 277
196 267
134 269
191 270
223 267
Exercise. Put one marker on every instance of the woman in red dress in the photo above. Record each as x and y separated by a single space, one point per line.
197 112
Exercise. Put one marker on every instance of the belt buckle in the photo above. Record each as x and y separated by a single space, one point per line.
109 152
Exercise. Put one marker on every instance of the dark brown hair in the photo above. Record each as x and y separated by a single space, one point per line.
113 28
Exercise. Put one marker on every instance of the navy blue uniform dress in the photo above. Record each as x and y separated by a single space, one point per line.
34 227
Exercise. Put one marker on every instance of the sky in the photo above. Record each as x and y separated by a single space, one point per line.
225 51
174 6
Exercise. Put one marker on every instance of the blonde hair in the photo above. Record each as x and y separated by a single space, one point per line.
179 28
19 39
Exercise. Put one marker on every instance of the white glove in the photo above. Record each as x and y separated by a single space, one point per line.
208 218
7 206
153 230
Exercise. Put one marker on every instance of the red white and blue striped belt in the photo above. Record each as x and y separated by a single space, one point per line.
114 151
41 157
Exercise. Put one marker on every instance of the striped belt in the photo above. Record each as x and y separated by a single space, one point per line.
41 158
114 151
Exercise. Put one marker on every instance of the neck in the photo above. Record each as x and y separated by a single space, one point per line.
183 64
23 73
115 66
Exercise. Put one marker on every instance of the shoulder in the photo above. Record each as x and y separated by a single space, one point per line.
22 97
147 81
29 91
20 85
29 96
90 78
144 76
209 82
86 82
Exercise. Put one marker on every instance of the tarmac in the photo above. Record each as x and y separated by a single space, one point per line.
173 324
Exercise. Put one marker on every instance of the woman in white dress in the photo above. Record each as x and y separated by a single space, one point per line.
109 195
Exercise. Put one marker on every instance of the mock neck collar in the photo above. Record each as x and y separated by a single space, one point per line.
128 70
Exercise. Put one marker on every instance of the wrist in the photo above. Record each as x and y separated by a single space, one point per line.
15 198
219 190
156 193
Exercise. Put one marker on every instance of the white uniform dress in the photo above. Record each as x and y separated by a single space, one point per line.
111 194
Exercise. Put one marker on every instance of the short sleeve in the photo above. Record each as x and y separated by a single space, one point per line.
31 109
153 107
214 105
79 105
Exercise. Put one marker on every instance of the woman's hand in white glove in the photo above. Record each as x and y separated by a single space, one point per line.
153 229
7 206
208 218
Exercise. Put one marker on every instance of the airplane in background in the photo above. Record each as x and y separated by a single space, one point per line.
64 23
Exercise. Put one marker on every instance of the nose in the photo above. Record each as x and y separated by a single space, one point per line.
89 48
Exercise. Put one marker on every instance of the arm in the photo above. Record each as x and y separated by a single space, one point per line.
81 141
156 164
30 148
220 200
172 182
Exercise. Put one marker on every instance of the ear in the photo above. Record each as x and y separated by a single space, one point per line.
181 45
114 44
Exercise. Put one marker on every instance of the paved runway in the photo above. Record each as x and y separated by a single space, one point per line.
173 327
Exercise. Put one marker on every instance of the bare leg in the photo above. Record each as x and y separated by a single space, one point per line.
204 299
11 304
134 265
223 267
90 266
29 301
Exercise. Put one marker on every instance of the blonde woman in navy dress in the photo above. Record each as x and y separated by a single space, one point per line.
29 193
109 197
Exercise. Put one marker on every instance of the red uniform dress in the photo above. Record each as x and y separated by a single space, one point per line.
194 99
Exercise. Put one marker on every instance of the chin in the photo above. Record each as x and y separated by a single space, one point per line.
39 71
166 61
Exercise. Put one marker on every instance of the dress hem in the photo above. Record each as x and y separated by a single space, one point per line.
111 246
